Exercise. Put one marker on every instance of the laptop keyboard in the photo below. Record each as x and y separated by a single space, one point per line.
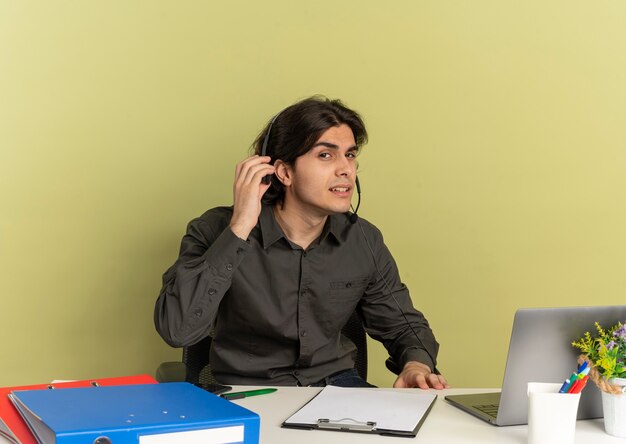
488 409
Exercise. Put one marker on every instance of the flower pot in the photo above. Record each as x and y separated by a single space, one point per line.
614 407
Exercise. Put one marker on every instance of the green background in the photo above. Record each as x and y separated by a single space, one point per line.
495 168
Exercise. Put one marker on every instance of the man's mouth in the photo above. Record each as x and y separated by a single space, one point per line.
340 189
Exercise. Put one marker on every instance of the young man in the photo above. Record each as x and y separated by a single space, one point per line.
277 275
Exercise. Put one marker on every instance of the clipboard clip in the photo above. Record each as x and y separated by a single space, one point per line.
346 424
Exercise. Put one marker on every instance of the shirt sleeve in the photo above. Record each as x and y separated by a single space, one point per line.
194 286
389 315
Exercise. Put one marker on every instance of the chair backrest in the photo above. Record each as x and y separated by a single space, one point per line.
198 368
354 331
196 360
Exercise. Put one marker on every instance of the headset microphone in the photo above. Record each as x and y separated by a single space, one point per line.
353 217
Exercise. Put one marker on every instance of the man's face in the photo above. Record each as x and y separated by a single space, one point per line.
322 180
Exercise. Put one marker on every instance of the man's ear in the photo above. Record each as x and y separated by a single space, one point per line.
283 172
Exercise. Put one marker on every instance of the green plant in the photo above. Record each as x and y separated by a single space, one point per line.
606 351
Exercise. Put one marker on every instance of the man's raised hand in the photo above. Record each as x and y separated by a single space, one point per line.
247 193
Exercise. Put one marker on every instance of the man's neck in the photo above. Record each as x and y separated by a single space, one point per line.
299 227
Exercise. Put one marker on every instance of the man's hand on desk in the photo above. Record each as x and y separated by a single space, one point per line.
416 374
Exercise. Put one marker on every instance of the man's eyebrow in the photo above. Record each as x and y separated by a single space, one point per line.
333 146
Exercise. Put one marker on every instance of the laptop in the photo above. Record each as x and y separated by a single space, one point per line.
540 350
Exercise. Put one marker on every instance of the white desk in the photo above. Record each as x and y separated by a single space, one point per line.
445 424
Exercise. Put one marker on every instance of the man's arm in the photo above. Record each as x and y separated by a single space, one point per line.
390 317
210 253
194 286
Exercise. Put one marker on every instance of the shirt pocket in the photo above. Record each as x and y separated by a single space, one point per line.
343 297
348 290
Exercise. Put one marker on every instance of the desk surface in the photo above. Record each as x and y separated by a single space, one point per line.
444 424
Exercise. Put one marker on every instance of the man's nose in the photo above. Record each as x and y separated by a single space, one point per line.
344 168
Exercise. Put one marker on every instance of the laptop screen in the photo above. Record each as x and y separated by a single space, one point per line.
540 350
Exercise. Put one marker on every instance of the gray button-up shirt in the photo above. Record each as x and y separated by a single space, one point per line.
277 310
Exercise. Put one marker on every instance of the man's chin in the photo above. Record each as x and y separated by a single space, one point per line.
341 210
335 209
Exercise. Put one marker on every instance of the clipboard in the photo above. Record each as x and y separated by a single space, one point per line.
398 412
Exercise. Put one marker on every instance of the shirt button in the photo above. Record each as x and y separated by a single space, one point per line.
304 253
349 284
198 312
296 373
211 291
229 267
303 333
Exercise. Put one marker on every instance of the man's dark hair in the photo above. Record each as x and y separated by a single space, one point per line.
296 129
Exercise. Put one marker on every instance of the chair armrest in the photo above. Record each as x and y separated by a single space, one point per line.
171 372
391 366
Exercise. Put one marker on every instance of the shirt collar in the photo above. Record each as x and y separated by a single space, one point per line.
271 232
334 227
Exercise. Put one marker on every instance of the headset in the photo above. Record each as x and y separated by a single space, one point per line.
353 218
266 179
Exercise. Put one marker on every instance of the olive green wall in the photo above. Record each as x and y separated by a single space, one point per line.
496 165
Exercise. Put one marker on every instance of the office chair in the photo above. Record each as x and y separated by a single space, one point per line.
195 366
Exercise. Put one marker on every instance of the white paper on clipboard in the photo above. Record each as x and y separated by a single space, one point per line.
396 410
